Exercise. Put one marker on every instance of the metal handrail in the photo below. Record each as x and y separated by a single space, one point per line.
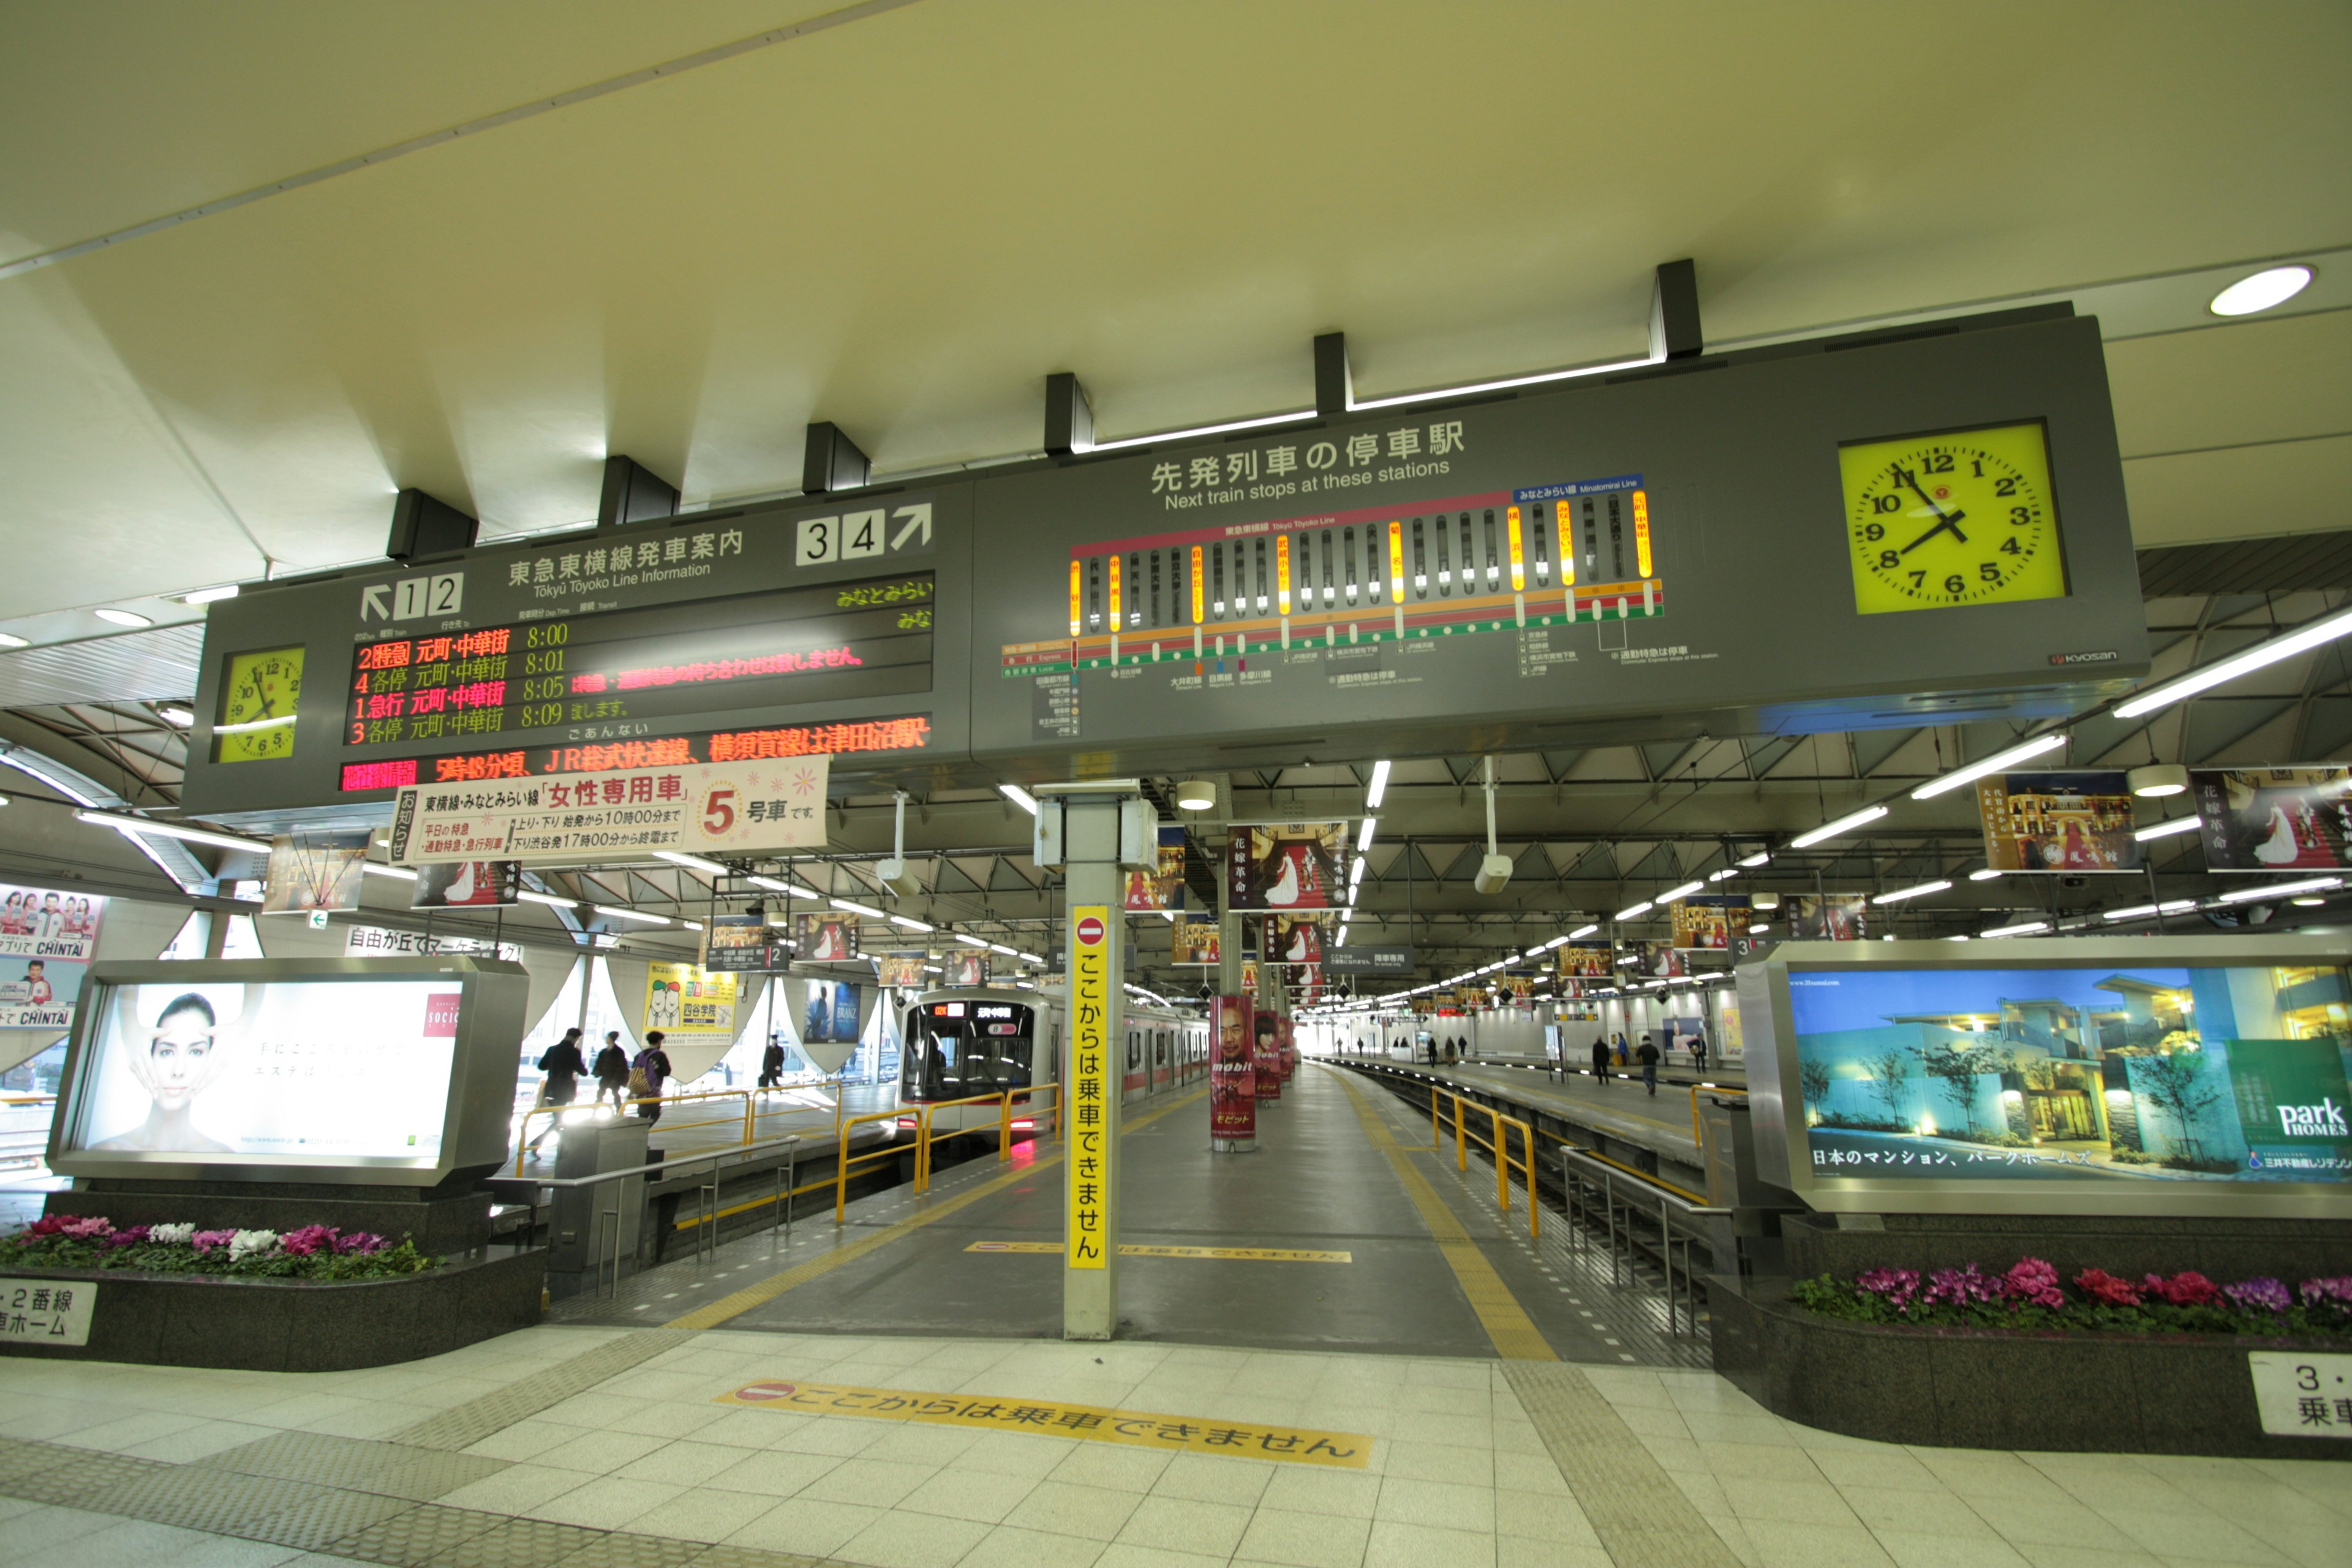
1698 1135
639 1171
1499 1146
1675 1209
925 1137
843 1161
522 1143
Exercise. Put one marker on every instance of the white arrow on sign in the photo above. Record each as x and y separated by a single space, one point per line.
373 606
919 516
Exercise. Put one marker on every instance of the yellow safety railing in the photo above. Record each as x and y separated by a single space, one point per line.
741 1118
844 1162
1640 1176
1498 1145
1002 1100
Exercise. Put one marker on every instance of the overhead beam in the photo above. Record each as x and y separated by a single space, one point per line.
831 462
633 493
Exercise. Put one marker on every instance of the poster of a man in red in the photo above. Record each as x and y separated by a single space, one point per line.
1267 1053
1232 1076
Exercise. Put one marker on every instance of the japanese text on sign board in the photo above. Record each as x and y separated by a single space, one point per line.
46 1311
1092 1091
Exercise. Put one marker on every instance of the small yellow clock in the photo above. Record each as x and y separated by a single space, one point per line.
1962 518
257 703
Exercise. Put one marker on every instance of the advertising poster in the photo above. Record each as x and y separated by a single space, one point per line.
1161 888
2079 821
2098 1074
1095 1083
1308 983
903 970
690 1003
1265 1052
1233 1071
1292 939
46 940
2275 819
1709 924
825 939
314 871
376 941
966 968
1286 866
1587 960
466 885
830 1017
1196 943
1832 917
313 1071
744 944
1249 975
700 808
1656 961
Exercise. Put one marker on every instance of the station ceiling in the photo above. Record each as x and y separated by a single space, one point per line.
902 217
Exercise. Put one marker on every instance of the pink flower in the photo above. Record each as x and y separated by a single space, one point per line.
1898 1286
47 1225
206 1240
359 1241
2031 1280
2106 1290
1961 1287
311 1238
131 1235
2186 1288
2335 1291
2260 1293
86 1228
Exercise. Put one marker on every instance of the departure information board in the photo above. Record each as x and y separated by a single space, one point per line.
1646 555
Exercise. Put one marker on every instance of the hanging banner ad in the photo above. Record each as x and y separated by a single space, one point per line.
376 941
1095 1080
1470 998
314 871
832 1014
466 884
1249 975
825 939
744 944
965 968
46 939
1391 959
1656 961
2275 819
1833 917
1265 1052
2058 822
1707 925
703 809
1286 866
1232 1072
1587 960
690 1003
1292 939
277 1067
1522 990
1308 983
1161 888
1196 943
903 970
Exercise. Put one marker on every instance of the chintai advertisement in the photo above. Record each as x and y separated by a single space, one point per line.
2096 1075
1233 1071
47 940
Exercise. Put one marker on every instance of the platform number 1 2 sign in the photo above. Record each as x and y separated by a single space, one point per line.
857 535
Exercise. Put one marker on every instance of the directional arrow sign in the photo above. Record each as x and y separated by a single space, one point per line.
918 516
373 606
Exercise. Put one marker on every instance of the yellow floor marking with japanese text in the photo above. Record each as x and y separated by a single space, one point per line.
1246 1254
1514 1333
1089 1423
711 1314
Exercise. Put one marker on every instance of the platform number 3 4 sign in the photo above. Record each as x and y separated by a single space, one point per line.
857 535
2303 1395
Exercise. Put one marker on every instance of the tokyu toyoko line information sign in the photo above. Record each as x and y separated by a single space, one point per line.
1092 1086
718 809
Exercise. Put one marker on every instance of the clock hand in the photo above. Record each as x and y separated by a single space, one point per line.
1951 521
1950 518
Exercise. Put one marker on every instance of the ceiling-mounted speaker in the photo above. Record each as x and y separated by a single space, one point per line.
1494 874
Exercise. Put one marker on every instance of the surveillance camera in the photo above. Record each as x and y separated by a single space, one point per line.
896 876
1494 872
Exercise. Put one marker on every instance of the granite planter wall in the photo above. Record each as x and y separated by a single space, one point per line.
298 1325
1978 1388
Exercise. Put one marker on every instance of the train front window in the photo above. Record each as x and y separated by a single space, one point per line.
961 1048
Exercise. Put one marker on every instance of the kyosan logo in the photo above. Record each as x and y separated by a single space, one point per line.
1091 931
2325 1120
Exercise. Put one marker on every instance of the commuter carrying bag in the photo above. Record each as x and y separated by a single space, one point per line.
640 1086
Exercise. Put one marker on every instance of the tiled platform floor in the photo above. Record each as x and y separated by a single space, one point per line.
560 1446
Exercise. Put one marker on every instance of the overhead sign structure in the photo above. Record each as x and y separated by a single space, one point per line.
1940 507
1391 959
735 808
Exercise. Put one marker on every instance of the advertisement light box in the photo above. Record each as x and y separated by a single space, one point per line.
2101 1075
277 1070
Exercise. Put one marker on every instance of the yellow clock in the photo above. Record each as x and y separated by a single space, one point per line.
258 704
1963 518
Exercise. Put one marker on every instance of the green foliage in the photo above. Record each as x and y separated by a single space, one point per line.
156 1257
1832 1298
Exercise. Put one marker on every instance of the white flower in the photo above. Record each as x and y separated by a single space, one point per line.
252 1244
176 1235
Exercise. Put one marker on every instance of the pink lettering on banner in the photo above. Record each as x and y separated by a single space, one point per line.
441 1015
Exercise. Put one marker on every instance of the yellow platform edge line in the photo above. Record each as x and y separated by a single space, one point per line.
711 1314
1513 1334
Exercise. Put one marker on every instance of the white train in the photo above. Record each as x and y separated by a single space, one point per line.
962 1042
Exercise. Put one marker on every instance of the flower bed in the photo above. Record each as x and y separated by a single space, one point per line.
311 1252
2031 1297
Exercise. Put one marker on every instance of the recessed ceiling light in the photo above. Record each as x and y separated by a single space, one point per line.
210 596
10 640
2271 286
123 617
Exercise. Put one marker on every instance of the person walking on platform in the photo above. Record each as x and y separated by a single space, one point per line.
648 1073
1698 1051
564 1066
1601 1060
613 1073
1622 1059
1648 1055
772 1065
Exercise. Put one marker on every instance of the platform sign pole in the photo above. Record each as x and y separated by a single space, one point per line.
1095 1073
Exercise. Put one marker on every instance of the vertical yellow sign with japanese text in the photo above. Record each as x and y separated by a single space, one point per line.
1092 1086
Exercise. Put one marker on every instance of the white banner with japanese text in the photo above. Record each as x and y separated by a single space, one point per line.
702 808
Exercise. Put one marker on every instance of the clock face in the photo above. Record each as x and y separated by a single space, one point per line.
257 703
1963 518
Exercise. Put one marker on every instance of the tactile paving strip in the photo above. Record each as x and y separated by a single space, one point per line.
317 1525
219 1503
424 1537
80 1474
748 1557
463 1426
622 1550
1641 1516
522 1543
394 1469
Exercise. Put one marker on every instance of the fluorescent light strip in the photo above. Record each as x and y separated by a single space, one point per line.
1207 430
2166 829
1364 834
1019 796
2283 890
621 915
1582 930
1684 891
1504 385
1992 764
857 909
970 941
549 900
1643 908
693 862
1844 824
372 870
2328 628
1377 791
209 595
792 889
1900 894
1752 861
172 830
911 923
1984 874
1007 951
2026 929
